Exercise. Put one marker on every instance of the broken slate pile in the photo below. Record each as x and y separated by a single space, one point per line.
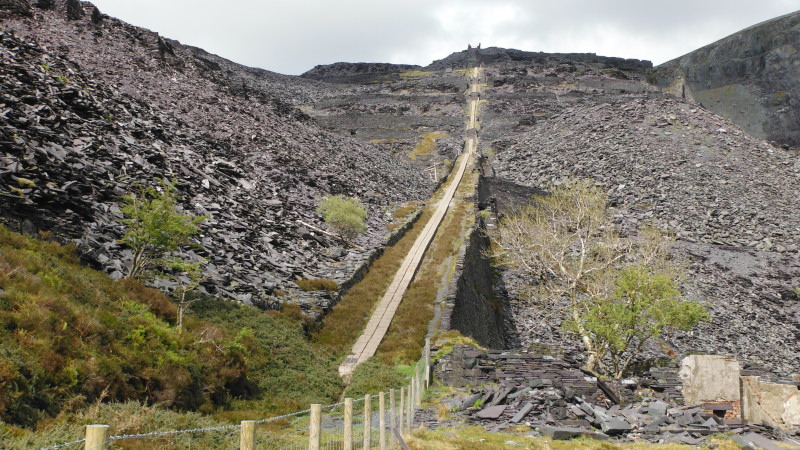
560 401
728 197
72 144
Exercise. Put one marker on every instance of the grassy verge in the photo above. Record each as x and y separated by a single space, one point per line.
414 73
344 324
477 438
337 333
406 335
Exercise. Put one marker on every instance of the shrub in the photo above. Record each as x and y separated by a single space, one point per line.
345 215
372 377
73 335
620 292
283 367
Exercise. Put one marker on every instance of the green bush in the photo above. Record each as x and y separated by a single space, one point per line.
155 228
374 376
345 215
283 366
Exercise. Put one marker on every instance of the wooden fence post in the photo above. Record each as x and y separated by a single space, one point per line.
427 363
247 438
382 421
96 437
315 427
417 387
401 413
410 406
348 424
392 412
367 421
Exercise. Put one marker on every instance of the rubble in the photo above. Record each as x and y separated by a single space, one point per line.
564 406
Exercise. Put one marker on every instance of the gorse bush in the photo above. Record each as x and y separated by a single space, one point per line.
72 335
373 376
284 368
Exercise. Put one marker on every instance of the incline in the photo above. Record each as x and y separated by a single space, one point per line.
376 328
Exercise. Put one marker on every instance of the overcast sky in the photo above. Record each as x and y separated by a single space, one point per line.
293 36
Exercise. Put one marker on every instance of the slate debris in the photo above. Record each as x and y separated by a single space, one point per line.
514 391
73 142
729 198
551 413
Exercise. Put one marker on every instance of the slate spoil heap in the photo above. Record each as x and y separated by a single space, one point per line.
560 401
72 145
729 199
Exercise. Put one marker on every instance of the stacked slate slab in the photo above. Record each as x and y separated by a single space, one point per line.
502 389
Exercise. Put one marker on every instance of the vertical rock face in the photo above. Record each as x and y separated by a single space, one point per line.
751 77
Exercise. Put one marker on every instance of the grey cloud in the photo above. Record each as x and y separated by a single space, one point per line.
292 37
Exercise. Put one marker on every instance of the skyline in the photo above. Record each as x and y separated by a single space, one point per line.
293 37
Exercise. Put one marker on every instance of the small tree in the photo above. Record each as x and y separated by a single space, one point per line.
614 293
345 215
189 276
642 307
154 228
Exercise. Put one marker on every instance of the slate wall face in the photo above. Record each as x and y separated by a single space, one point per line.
478 311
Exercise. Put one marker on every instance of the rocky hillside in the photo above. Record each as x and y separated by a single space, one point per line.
92 107
415 113
729 197
750 77
496 56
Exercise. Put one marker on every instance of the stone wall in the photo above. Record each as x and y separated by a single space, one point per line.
472 306
467 366
772 404
475 304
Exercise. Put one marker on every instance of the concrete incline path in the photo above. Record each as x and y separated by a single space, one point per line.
376 328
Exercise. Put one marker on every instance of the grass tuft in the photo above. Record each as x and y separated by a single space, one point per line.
318 284
427 143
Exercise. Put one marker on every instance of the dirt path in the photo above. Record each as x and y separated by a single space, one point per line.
376 328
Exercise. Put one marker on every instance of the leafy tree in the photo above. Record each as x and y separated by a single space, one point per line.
642 307
155 228
345 215
614 293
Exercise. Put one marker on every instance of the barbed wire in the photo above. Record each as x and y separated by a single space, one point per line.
162 433
65 444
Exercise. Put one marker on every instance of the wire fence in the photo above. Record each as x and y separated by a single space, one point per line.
373 421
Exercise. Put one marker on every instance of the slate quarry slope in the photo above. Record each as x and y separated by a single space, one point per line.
731 199
393 106
751 77
90 109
